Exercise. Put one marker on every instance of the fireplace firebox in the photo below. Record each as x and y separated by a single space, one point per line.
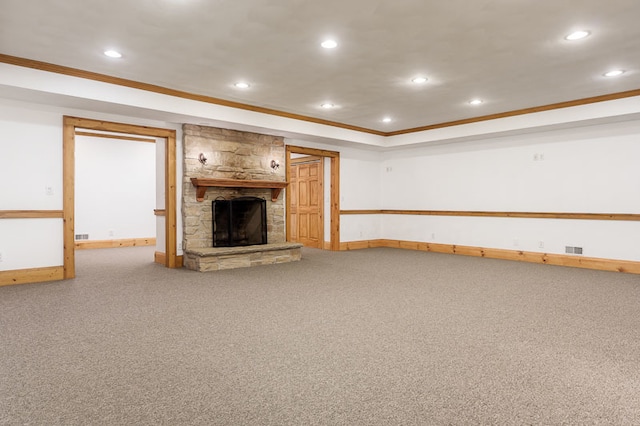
239 222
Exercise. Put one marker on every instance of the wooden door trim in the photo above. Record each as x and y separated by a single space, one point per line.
335 190
307 159
70 124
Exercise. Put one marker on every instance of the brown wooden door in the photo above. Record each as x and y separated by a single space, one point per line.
307 223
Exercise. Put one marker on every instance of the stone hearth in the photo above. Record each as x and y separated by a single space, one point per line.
218 258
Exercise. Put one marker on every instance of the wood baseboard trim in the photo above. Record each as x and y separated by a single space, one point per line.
358 245
601 264
127 242
327 245
33 275
161 258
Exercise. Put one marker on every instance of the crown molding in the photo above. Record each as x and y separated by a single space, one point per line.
74 72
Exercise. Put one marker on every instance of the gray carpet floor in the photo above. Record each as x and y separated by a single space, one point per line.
370 337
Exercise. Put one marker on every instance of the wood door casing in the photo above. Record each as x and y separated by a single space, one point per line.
307 199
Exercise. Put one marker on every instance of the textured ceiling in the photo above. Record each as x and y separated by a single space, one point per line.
510 53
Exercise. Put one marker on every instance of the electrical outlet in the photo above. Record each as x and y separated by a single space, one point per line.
179 246
516 243
433 235
0 257
48 190
111 232
540 244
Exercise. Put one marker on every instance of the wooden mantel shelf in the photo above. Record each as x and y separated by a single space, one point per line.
202 184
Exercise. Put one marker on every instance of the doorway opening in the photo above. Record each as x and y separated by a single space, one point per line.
313 197
110 211
72 127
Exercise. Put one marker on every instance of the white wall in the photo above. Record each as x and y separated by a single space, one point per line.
30 160
360 184
30 243
115 191
591 169
588 169
31 179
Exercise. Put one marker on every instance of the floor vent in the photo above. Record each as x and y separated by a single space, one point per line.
573 250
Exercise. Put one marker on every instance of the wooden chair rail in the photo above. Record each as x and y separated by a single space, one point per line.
31 214
531 215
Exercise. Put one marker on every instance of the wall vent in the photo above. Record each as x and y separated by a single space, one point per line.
568 249
82 236
577 250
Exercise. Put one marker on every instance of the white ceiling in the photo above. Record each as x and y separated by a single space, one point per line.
510 53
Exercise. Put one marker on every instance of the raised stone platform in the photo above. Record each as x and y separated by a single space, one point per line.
217 258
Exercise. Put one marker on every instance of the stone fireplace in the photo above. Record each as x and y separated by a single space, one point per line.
231 156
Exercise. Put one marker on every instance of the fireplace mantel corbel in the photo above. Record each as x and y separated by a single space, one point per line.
202 184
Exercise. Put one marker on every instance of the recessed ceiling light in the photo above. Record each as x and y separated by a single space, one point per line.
577 35
386 120
475 102
327 105
419 80
329 44
113 53
614 73
242 85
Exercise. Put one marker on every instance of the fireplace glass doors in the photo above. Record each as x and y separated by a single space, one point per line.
239 222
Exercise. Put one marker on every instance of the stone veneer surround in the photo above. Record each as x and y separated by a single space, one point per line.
230 154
